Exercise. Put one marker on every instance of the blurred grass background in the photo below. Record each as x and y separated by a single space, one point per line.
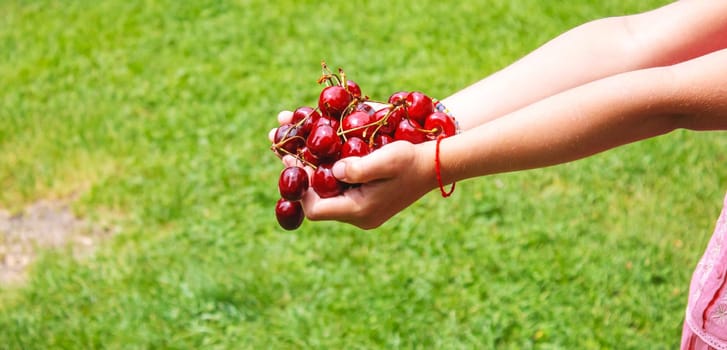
154 115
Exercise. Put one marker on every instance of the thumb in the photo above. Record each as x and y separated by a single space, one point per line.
381 164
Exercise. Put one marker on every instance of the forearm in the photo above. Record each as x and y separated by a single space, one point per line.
592 118
671 34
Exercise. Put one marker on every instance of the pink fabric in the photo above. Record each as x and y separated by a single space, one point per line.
705 324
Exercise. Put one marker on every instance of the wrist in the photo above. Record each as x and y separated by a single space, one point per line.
434 167
424 165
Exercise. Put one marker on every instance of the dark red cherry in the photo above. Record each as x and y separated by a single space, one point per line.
398 98
333 122
323 142
292 183
353 88
289 214
409 130
288 138
381 140
354 124
419 106
354 147
308 157
324 183
333 100
308 114
440 123
389 125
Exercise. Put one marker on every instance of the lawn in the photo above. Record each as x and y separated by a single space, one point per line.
150 119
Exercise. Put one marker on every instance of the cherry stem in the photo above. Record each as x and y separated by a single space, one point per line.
346 112
328 76
343 79
300 122
379 124
280 144
277 148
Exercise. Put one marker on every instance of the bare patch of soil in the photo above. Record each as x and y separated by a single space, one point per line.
42 225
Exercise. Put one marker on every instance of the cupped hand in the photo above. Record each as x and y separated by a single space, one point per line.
389 180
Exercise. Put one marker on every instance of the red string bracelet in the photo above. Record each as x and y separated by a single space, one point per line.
438 169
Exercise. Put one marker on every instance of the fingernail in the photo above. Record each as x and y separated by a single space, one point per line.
339 170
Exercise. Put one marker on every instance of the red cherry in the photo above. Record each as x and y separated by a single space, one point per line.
311 118
289 214
397 98
288 138
324 183
292 183
309 157
409 130
353 88
389 125
354 124
381 140
323 142
333 100
333 122
354 147
419 106
440 123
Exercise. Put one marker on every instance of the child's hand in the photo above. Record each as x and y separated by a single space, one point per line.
389 179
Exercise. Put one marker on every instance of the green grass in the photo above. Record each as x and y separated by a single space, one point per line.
155 114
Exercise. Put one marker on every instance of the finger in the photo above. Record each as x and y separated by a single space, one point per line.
340 208
271 134
381 164
289 160
285 117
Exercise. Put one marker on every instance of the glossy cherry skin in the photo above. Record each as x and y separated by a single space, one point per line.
409 130
354 147
354 124
292 183
333 122
324 183
381 140
419 106
353 88
440 123
398 97
323 142
389 125
288 138
308 157
289 214
309 115
333 100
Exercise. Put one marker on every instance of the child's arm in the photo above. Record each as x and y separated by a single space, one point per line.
595 117
573 124
664 36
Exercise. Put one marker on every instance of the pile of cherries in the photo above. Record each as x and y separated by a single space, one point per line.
344 125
